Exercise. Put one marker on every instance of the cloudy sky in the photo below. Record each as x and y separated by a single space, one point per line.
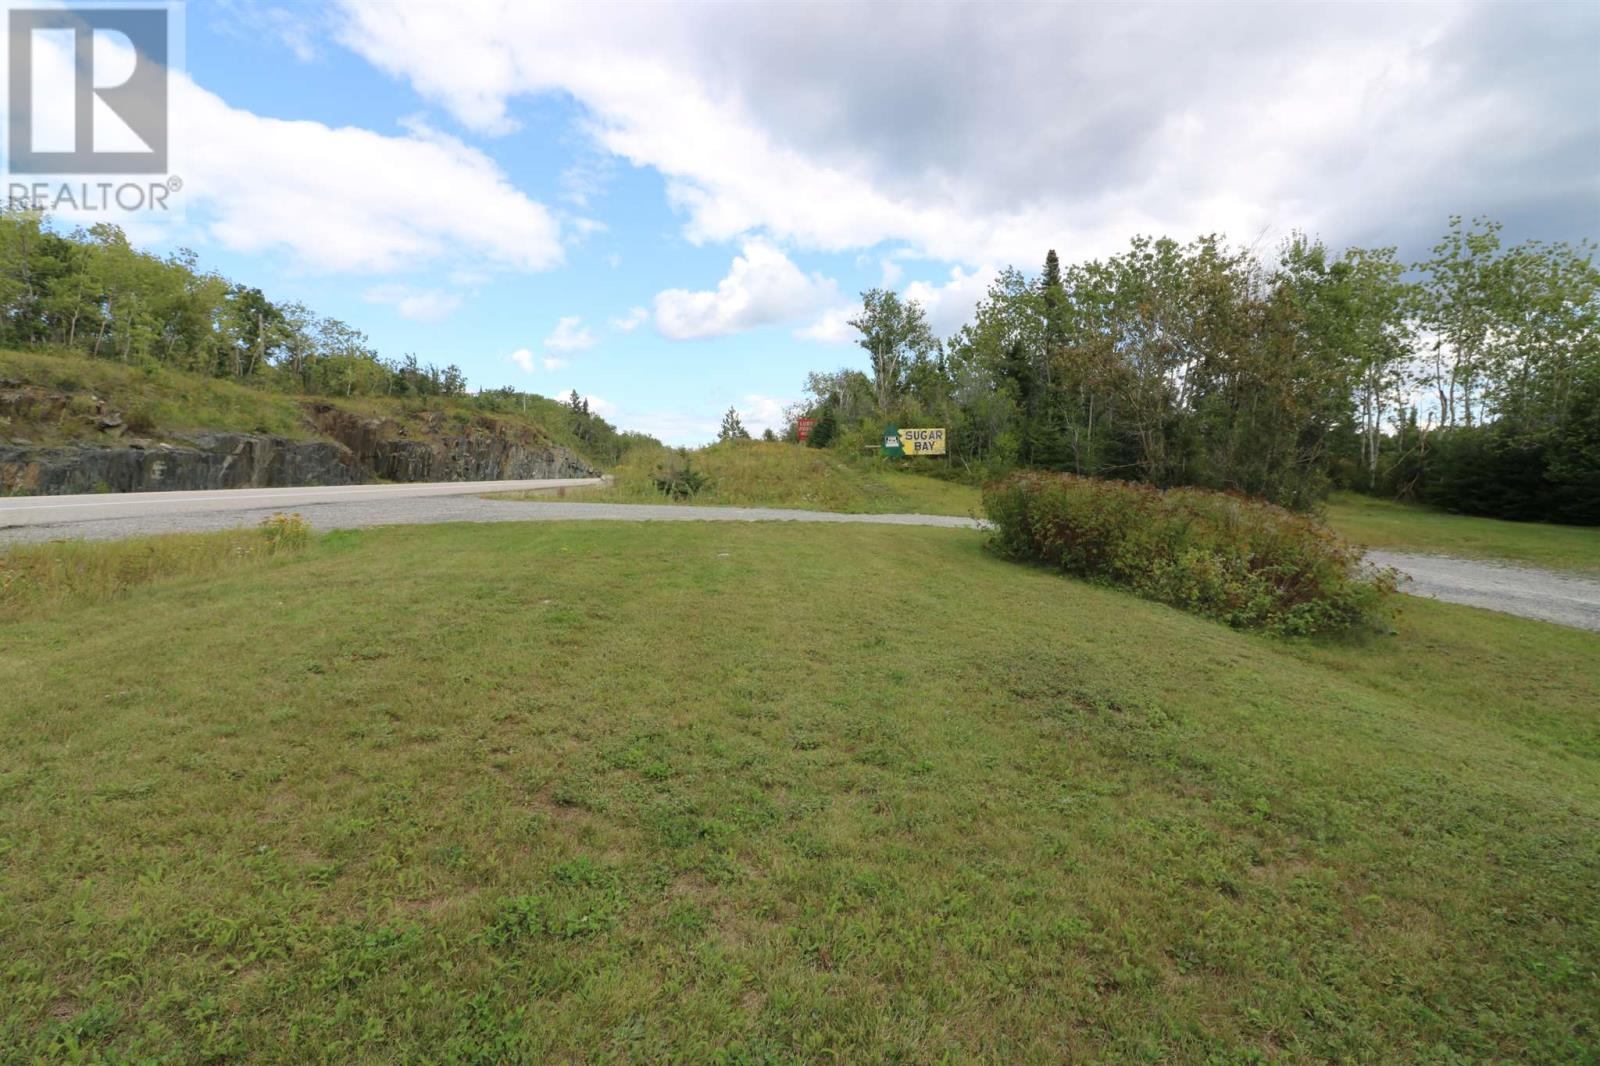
672 208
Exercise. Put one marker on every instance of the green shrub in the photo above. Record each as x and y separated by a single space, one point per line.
1247 563
677 478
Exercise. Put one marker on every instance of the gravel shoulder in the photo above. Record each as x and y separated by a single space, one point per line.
1547 595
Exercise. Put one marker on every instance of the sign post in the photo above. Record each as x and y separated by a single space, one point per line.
803 427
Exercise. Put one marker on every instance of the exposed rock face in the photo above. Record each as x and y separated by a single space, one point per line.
217 461
360 451
483 450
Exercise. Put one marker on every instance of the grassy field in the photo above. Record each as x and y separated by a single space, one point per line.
767 474
755 793
1414 527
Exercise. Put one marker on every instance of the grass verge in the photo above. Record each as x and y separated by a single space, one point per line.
54 574
1376 523
760 793
776 474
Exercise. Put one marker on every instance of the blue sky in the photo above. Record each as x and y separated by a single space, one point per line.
675 388
673 208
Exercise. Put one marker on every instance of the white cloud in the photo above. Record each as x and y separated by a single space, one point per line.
673 427
570 335
290 28
832 326
528 362
349 199
587 179
418 305
759 413
950 306
762 287
582 228
604 408
627 323
1350 120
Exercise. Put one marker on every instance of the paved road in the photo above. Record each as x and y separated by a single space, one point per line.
1532 593
131 514
1523 590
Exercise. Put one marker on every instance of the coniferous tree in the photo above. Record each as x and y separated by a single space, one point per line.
732 427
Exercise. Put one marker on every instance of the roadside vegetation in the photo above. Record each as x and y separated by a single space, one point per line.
1470 379
1246 563
38 577
173 348
152 401
748 473
722 792
1376 523
55 397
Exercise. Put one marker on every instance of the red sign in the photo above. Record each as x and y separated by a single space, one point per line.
802 428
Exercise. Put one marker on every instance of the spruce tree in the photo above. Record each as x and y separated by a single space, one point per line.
732 427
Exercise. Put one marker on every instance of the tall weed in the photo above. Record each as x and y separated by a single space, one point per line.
76 571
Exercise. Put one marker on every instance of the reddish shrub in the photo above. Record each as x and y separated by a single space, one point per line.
1249 563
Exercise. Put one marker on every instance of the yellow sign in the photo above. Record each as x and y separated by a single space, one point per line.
922 441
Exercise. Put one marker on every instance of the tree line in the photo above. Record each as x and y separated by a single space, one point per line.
91 291
1470 379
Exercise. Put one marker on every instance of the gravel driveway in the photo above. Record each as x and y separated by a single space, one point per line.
1566 599
1549 595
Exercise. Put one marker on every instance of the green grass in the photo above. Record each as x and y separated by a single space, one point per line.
154 400
1379 523
39 577
766 474
160 402
759 793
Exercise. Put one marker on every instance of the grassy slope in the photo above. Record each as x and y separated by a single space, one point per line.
169 400
176 402
765 474
1388 524
580 791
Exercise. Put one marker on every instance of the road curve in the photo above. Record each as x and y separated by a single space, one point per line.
133 514
106 516
1550 596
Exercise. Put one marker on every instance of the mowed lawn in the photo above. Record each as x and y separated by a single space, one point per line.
1378 523
771 793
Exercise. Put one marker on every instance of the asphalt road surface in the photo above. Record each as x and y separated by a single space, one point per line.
1567 599
111 516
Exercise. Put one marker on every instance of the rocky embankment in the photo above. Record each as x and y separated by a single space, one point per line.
434 446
